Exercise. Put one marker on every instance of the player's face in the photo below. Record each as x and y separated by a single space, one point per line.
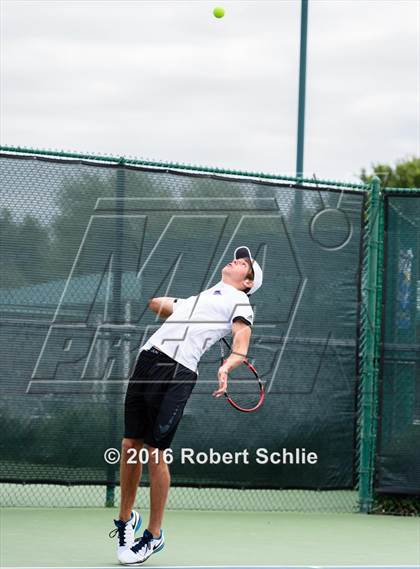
237 269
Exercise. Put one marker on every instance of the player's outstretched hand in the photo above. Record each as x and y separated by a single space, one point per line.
223 380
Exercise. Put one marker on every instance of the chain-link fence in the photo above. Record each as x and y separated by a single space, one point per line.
86 241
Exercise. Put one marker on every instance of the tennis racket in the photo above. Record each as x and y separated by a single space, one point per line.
246 390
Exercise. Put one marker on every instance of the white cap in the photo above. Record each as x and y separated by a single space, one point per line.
244 253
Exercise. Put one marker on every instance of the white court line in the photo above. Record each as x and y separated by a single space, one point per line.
224 567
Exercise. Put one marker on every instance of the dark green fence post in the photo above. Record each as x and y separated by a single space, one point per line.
117 319
302 89
370 342
298 202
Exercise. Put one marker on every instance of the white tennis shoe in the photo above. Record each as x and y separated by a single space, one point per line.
126 531
142 549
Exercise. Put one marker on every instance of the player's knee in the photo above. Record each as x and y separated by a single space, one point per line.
157 459
128 444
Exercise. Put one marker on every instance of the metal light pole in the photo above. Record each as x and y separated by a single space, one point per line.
302 88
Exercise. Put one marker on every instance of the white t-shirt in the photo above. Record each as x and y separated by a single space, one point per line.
200 321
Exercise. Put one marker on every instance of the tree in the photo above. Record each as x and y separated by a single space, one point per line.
79 200
406 174
25 248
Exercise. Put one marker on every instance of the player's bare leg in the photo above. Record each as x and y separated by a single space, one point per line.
130 474
160 480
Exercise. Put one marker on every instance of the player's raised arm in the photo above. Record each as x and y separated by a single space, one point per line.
241 333
163 306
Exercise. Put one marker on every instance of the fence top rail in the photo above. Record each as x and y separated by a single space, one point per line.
17 151
401 190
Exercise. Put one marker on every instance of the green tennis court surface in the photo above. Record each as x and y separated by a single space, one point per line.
78 537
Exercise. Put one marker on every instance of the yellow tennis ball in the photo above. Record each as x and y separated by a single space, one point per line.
218 12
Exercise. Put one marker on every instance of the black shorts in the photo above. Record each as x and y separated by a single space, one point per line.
156 396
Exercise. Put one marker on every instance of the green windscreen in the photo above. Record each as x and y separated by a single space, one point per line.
398 458
84 246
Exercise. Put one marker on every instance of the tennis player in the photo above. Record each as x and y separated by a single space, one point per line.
162 381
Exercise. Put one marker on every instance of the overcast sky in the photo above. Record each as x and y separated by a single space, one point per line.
168 81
